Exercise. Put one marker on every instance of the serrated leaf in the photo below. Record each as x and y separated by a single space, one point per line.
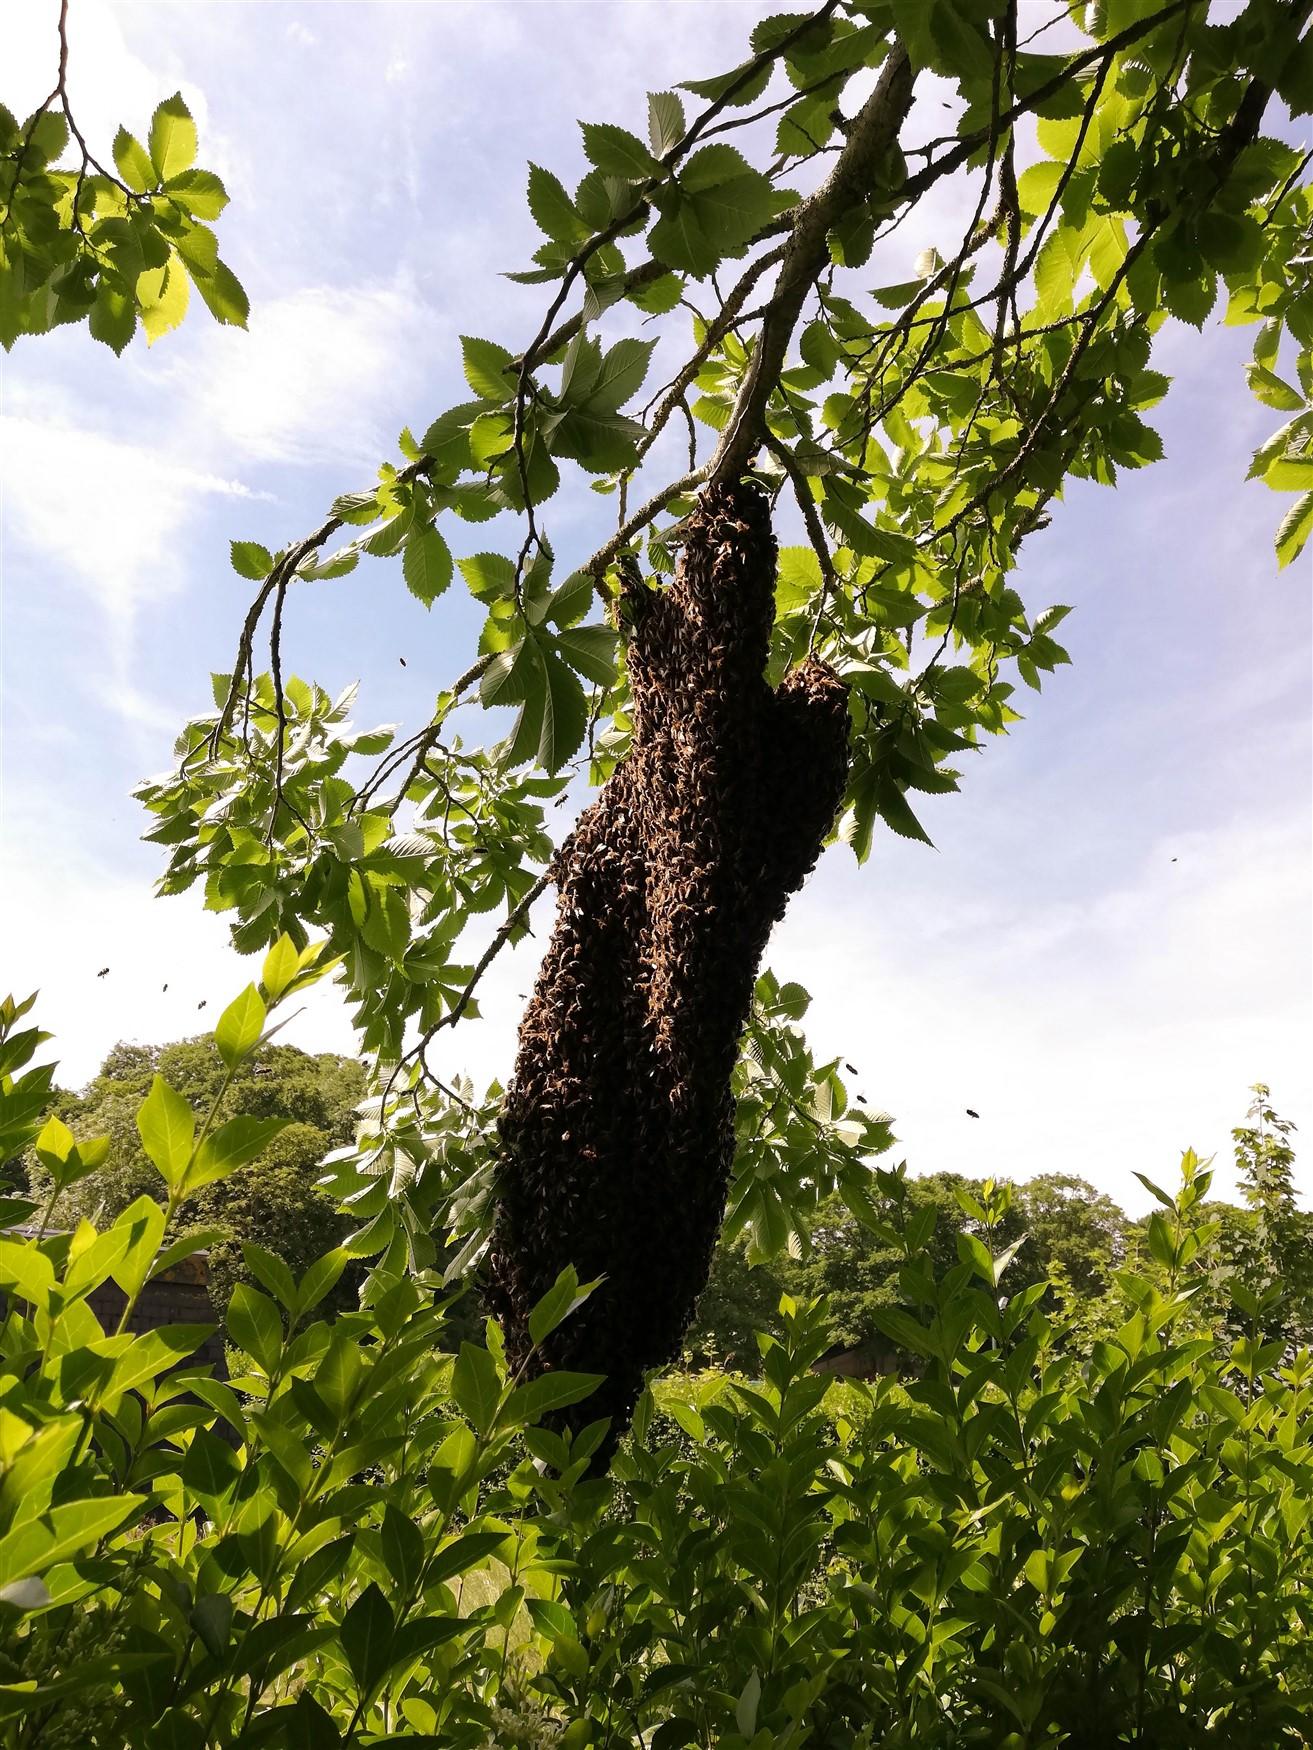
893 808
564 713
113 317
1296 527
250 559
485 370
620 374
162 297
172 138
590 650
660 296
553 210
426 564
224 296
665 121
572 600
616 152
133 161
490 576
679 239
1272 390
199 191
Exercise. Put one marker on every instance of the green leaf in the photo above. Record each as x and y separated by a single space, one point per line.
660 296
746 85
464 1554
572 600
224 296
712 166
491 576
240 1027
530 1402
133 162
564 708
553 210
144 1220
233 1145
601 442
387 921
745 1709
167 1126
162 296
476 1386
250 559
199 191
621 374
172 138
60 1155
319 1280
39 1543
426 564
616 152
1296 527
26 1269
679 239
665 121
590 651
402 1544
211 1467
113 317
560 1300
798 579
281 965
254 1325
486 370
894 811
1273 391
212 1617
186 1246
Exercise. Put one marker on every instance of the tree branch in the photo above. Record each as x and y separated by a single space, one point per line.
806 253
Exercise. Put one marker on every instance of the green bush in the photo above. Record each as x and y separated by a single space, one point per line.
273 1201
360 1539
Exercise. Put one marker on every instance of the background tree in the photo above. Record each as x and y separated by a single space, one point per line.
1266 1249
1115 170
274 1201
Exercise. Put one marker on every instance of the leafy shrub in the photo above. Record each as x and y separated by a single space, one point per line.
361 1539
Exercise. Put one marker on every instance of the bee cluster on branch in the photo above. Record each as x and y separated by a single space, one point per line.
618 1125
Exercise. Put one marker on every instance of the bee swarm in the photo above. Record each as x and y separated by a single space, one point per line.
618 1124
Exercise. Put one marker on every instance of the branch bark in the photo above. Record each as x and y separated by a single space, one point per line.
806 254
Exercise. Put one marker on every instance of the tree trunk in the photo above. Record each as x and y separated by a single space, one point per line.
618 1124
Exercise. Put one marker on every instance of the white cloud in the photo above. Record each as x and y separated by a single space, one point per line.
105 511
109 84
310 381
1098 1037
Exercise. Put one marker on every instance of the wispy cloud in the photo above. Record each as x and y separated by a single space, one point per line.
309 381
104 512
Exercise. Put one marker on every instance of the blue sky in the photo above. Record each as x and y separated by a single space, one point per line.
1049 964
